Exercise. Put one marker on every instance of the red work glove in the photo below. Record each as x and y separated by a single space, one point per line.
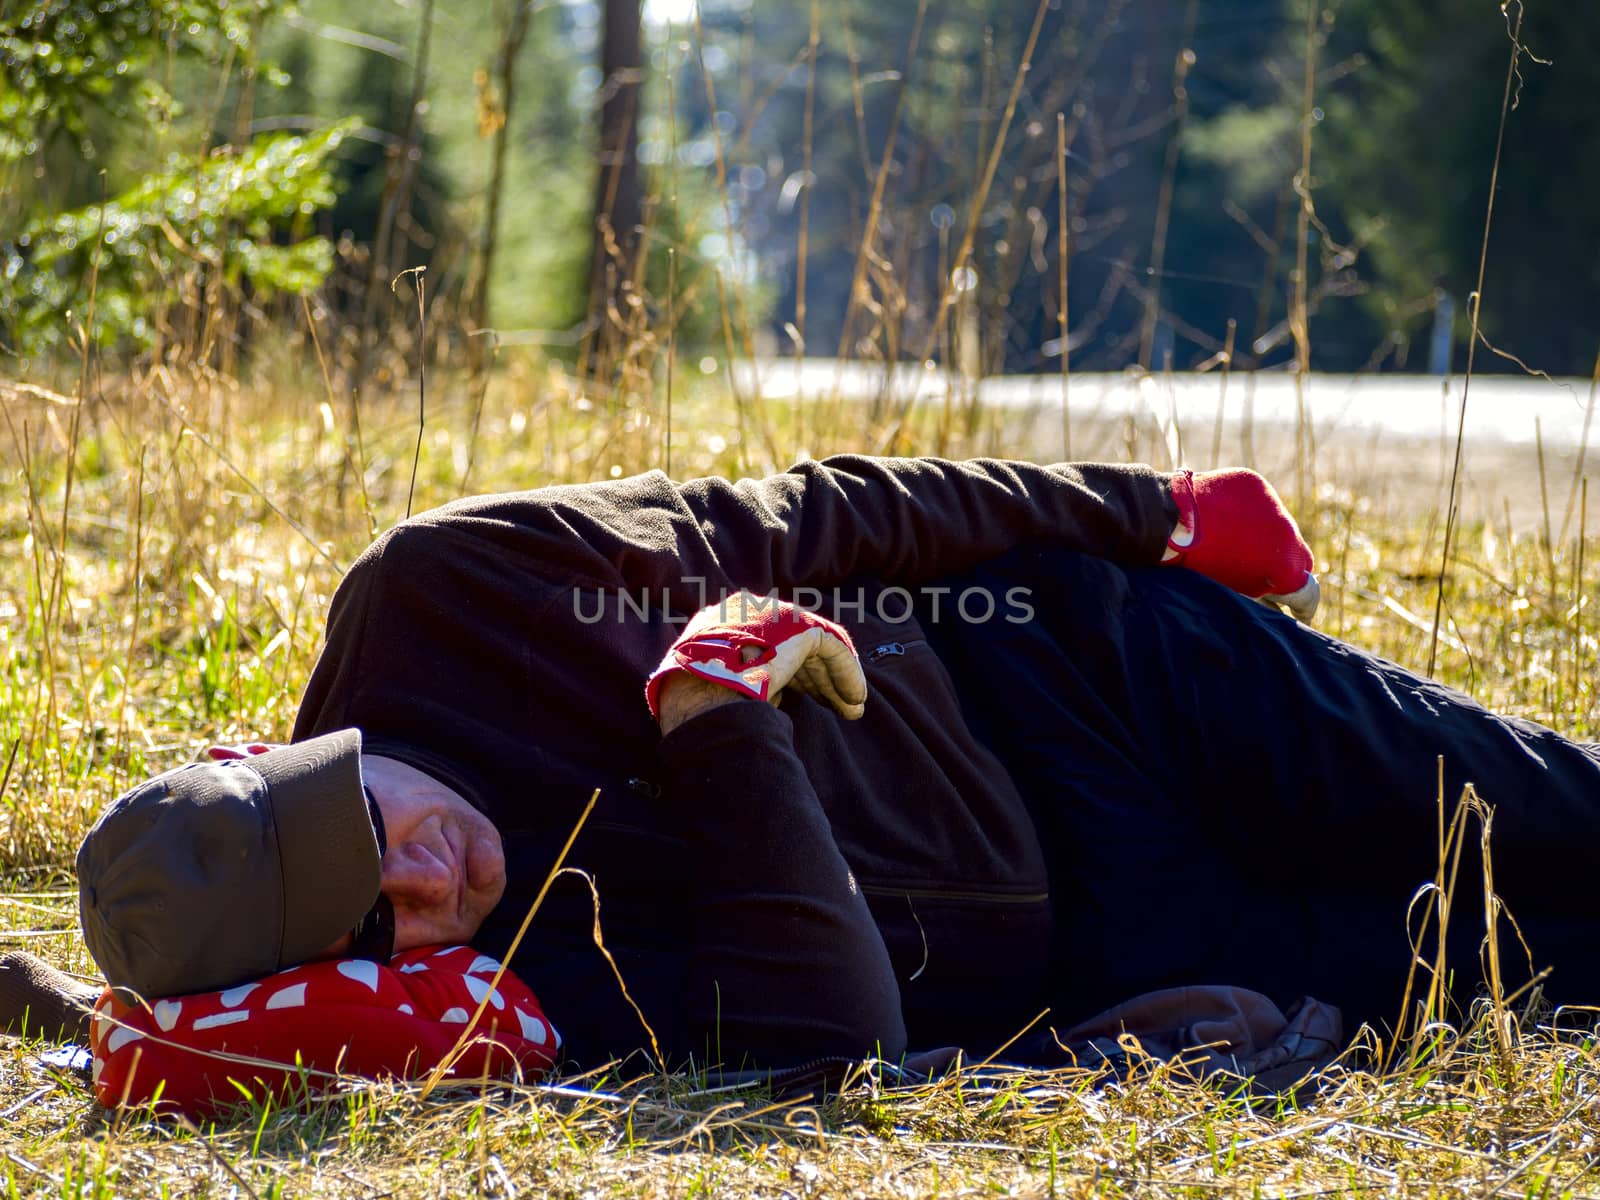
757 646
1233 528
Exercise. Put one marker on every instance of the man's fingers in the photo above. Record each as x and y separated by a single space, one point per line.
831 673
851 712
1302 602
849 681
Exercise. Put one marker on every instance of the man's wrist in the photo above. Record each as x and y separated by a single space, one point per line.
683 697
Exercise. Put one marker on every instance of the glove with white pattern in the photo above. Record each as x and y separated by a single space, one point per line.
757 646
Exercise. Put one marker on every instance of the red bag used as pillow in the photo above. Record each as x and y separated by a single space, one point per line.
301 1029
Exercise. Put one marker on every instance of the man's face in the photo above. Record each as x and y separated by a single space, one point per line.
445 868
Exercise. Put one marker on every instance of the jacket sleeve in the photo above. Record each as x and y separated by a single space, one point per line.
787 964
899 520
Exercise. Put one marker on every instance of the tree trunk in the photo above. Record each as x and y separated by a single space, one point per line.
618 203
516 32
396 199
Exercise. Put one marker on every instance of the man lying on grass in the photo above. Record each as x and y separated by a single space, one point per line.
1019 739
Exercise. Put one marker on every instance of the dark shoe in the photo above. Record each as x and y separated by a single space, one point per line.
40 1001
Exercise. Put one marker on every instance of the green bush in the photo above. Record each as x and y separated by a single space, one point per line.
231 219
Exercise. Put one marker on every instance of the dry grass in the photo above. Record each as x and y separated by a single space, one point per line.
1460 1127
203 535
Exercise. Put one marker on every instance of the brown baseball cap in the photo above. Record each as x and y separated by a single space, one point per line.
219 872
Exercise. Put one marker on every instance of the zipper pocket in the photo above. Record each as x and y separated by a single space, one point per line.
891 650
868 889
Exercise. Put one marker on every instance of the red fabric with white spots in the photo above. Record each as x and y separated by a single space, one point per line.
339 1016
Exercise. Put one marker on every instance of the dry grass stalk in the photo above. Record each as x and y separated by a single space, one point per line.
1583 447
1544 505
672 346
1577 592
1299 318
803 233
1169 174
1515 32
963 254
1062 228
866 248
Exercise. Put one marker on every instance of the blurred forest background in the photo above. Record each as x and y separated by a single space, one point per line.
876 180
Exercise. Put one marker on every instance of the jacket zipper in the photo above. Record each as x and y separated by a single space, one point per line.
891 650
869 889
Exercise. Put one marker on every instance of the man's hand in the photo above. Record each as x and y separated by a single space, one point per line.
754 648
1233 528
684 696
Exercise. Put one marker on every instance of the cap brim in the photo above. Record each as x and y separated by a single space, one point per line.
326 844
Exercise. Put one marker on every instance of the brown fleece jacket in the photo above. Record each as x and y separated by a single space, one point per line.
774 884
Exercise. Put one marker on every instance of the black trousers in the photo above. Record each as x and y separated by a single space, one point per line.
1229 797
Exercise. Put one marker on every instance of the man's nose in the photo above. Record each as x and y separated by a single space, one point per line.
414 876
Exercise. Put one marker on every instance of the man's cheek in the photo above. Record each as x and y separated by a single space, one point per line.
486 867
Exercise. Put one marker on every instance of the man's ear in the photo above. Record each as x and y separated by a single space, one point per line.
222 753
